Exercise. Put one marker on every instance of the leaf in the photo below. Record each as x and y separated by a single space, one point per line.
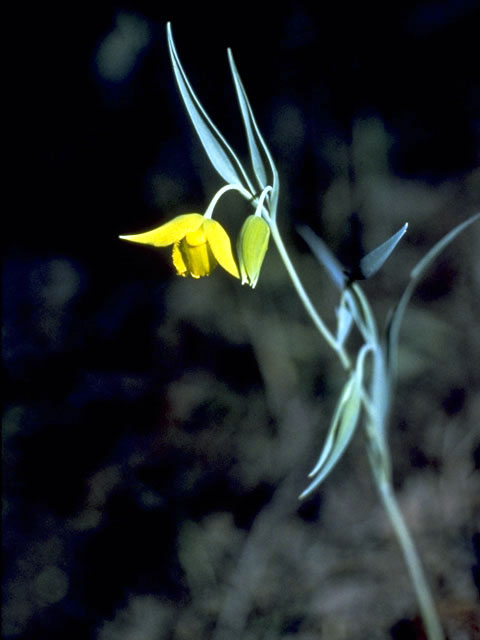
343 425
396 318
361 311
218 150
324 256
330 440
340 433
374 261
369 264
427 260
258 149
344 322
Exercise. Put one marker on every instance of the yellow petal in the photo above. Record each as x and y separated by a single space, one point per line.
170 232
196 238
198 258
178 261
221 246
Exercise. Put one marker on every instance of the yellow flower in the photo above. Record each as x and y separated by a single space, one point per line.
252 246
199 244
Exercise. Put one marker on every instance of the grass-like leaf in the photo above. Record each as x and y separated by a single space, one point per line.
344 321
218 150
343 425
262 161
396 318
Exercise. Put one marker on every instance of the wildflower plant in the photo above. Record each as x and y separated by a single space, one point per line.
201 243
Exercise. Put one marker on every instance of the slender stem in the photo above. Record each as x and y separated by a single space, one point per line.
259 206
367 404
219 194
380 465
422 591
379 458
367 311
307 303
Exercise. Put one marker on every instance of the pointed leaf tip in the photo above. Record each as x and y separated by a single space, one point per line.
216 147
262 162
374 261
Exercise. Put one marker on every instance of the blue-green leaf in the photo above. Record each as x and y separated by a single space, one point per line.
343 425
332 432
262 161
374 261
427 260
218 150
344 322
324 256
396 318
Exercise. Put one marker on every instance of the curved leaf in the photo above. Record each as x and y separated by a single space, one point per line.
395 320
259 153
218 150
332 432
343 425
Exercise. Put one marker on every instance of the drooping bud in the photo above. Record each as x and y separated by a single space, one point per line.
251 247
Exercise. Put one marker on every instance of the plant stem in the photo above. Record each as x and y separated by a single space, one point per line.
422 590
376 407
219 194
304 297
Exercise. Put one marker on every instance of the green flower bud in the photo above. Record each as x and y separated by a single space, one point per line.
251 247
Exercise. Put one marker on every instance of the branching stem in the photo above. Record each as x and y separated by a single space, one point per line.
375 433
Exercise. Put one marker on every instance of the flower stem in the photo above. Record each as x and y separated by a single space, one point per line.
377 412
304 297
219 194
422 591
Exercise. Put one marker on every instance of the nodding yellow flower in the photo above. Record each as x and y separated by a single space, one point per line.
199 244
252 246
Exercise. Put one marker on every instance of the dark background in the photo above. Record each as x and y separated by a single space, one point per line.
158 430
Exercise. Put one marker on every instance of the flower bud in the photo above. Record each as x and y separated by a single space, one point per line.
251 247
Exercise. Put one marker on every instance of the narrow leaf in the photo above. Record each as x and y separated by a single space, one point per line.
360 309
332 432
343 425
427 260
259 152
355 309
324 256
344 322
218 150
374 261
346 429
396 318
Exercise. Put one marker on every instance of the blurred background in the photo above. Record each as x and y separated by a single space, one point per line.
158 430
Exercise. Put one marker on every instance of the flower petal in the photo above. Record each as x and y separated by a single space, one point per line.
197 254
170 232
221 246
178 261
